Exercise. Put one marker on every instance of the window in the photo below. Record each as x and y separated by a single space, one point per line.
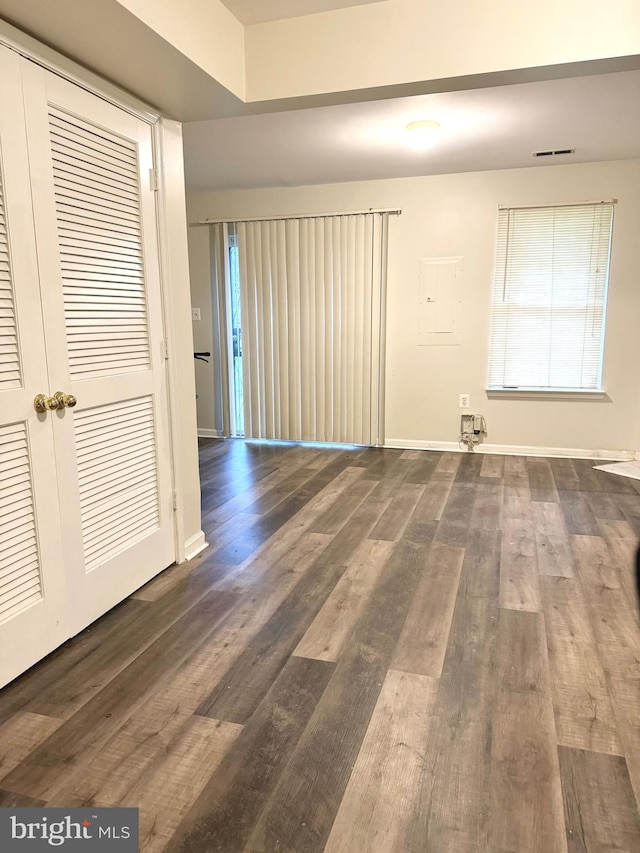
549 297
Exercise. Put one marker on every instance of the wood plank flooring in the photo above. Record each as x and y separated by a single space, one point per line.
380 652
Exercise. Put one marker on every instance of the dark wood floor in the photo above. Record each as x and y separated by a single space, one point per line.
380 651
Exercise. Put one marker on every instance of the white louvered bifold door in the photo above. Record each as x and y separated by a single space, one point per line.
97 237
32 582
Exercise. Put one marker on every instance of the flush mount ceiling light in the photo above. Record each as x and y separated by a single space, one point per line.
422 135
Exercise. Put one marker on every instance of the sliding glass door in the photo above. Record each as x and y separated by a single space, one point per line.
303 314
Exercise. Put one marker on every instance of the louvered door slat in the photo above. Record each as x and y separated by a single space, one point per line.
95 493
95 238
117 476
95 250
12 437
91 139
75 174
120 429
95 188
132 366
102 324
120 455
12 514
94 450
94 181
14 485
12 509
98 553
88 260
94 235
67 164
107 276
15 545
112 522
92 491
11 468
21 570
84 301
69 146
133 464
15 479
102 491
16 604
20 583
112 211
23 583
13 454
95 175
10 375
106 289
70 217
20 528
133 342
23 564
101 431
125 359
106 218
128 350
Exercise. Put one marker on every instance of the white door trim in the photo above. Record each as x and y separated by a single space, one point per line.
174 261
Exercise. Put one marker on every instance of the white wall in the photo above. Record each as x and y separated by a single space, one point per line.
402 41
450 215
203 30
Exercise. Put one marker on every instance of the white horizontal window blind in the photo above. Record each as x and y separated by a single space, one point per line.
549 297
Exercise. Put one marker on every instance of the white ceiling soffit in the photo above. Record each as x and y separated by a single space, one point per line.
105 38
118 46
496 128
260 11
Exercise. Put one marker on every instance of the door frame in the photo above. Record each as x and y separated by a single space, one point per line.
174 264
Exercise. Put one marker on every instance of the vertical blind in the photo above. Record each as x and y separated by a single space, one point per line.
549 297
312 294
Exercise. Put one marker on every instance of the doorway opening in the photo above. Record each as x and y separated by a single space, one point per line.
301 329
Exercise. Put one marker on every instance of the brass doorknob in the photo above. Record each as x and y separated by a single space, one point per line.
65 400
44 404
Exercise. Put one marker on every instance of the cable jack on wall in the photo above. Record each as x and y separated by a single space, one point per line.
472 430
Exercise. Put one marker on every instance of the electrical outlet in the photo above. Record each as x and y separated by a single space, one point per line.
465 401
195 314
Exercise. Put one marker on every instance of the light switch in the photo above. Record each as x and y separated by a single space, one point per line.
195 314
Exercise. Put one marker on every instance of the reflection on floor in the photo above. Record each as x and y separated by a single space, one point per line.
624 469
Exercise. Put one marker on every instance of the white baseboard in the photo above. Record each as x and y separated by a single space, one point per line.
195 545
210 433
514 450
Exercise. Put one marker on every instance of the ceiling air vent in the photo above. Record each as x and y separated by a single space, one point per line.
554 153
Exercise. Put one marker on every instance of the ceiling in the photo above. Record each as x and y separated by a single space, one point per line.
482 129
259 11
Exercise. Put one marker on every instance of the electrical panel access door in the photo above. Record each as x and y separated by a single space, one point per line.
33 592
96 233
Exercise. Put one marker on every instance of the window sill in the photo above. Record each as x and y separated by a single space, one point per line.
547 394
